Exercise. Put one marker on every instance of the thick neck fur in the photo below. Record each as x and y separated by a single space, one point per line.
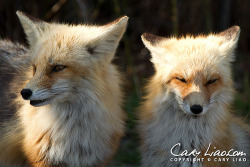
171 126
178 127
76 132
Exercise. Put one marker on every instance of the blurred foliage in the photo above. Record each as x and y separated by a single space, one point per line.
164 18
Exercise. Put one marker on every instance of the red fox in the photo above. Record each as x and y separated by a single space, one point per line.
69 111
185 119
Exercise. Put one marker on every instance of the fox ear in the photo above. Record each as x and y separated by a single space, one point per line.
154 45
229 38
151 41
33 27
107 41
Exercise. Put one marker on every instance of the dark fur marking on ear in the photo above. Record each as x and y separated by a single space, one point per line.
32 18
153 39
90 49
230 33
115 21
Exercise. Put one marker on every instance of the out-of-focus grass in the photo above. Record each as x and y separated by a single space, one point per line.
128 154
242 100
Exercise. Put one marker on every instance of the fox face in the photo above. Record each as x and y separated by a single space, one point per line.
196 91
51 82
66 59
195 71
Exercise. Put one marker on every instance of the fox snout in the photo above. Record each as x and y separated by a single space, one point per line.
195 104
26 93
196 109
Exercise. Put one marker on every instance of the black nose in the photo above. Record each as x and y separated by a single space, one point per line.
26 93
196 109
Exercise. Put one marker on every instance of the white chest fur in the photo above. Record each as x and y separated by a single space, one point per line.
169 127
79 133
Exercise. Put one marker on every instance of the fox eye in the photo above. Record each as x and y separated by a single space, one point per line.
181 79
58 68
211 81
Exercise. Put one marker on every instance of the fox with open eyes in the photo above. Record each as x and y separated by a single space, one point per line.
68 97
187 106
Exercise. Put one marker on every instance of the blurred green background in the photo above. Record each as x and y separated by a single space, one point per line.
160 17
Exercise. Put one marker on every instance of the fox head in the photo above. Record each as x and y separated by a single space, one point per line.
67 58
195 70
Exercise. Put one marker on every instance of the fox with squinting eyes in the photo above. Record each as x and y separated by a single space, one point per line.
186 112
68 95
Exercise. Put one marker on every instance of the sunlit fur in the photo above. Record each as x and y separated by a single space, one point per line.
165 118
81 122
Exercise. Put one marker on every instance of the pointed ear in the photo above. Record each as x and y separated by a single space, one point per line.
33 27
107 41
229 38
151 41
154 44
